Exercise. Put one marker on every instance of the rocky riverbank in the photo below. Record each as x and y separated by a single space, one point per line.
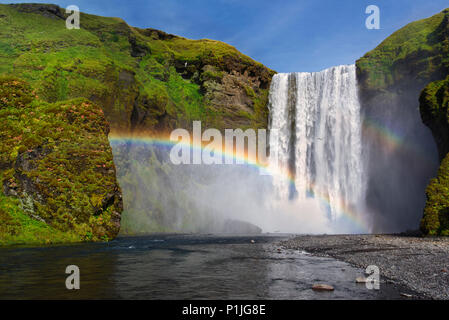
421 264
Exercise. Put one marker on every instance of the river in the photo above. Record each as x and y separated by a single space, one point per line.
180 267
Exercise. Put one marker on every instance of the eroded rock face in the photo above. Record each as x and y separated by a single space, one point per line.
233 91
434 107
58 163
47 10
144 79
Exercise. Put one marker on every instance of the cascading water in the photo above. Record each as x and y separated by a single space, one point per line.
318 141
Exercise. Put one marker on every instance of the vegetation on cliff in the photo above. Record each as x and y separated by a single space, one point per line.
434 107
415 53
143 79
56 170
436 212
391 78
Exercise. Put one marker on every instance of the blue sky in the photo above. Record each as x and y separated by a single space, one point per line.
287 35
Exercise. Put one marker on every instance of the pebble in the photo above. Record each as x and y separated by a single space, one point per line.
322 287
360 280
419 266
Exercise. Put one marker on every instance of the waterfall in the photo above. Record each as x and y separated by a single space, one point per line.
318 141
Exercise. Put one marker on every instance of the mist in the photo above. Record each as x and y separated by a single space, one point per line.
161 197
378 168
401 158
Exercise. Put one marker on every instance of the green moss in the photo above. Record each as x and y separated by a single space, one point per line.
16 227
421 46
57 160
142 79
89 62
434 107
434 102
436 212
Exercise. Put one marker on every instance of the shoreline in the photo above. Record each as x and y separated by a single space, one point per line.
420 264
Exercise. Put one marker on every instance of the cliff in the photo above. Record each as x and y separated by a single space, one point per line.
56 170
391 78
143 79
59 181
412 56
434 107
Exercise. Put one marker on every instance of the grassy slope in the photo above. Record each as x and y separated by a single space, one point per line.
420 49
16 227
64 64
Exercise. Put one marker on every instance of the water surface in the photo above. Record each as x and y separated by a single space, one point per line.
179 267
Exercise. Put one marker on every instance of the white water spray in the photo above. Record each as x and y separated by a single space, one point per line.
318 147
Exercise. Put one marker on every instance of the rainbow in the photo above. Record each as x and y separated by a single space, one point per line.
390 140
375 131
349 215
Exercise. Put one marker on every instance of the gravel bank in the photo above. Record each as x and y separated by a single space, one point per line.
421 264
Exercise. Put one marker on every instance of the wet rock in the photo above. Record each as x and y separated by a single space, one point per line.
322 287
360 280
47 10
240 227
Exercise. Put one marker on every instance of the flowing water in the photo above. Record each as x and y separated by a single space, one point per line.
318 185
318 141
180 267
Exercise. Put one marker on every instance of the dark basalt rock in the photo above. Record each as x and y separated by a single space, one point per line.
156 34
239 227
47 10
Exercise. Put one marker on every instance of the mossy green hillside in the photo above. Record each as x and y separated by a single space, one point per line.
142 78
418 52
56 169
16 227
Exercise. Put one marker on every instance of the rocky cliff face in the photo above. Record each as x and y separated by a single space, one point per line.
57 175
434 107
391 78
143 80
